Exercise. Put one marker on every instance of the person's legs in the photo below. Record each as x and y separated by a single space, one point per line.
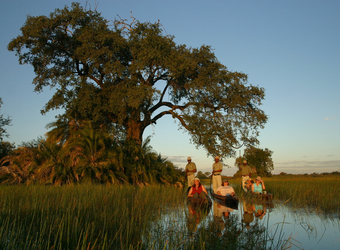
191 179
196 195
215 183
219 180
203 195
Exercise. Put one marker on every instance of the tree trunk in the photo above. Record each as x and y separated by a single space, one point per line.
135 130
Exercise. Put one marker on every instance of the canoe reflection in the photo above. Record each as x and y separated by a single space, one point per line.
251 211
195 215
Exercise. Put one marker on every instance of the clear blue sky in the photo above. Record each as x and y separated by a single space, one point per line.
291 48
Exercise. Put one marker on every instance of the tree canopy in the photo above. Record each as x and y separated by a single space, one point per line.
126 76
261 159
3 122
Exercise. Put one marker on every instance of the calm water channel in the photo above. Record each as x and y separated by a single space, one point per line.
305 230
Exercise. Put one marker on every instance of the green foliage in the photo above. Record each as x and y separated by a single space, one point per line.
83 153
117 75
239 160
260 159
3 122
202 175
6 148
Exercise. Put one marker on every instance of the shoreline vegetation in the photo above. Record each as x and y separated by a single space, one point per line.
316 192
129 217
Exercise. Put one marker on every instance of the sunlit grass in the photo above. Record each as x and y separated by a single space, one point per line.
111 217
320 193
80 217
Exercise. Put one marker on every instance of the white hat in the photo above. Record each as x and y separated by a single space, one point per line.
197 179
217 157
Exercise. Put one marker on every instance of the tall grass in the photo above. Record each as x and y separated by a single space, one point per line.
318 193
116 217
80 217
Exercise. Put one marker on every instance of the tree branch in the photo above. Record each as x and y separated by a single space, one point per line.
174 115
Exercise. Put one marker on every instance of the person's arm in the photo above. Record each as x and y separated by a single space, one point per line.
190 191
233 191
219 193
204 190
252 188
195 170
263 186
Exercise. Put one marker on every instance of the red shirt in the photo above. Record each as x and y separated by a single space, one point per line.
194 190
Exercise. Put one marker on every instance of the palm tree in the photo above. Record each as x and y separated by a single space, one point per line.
56 167
62 130
21 165
93 156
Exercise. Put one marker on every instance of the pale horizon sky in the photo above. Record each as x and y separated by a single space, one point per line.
290 48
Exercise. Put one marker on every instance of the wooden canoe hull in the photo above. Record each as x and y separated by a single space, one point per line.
199 202
229 201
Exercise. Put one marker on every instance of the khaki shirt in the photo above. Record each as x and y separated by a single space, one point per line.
190 166
217 166
245 170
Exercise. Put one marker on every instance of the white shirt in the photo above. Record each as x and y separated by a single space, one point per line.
225 190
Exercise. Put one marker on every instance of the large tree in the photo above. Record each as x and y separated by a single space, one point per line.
127 76
260 159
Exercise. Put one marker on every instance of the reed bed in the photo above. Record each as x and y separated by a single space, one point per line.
115 217
80 217
317 193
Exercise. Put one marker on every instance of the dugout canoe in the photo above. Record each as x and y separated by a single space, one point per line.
230 201
199 202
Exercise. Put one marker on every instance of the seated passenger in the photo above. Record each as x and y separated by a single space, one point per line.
258 186
198 190
248 184
225 189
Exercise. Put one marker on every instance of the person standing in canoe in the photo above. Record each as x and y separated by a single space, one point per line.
246 174
258 186
198 190
216 173
190 171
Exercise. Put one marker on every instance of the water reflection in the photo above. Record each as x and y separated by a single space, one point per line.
195 215
221 215
251 225
251 210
